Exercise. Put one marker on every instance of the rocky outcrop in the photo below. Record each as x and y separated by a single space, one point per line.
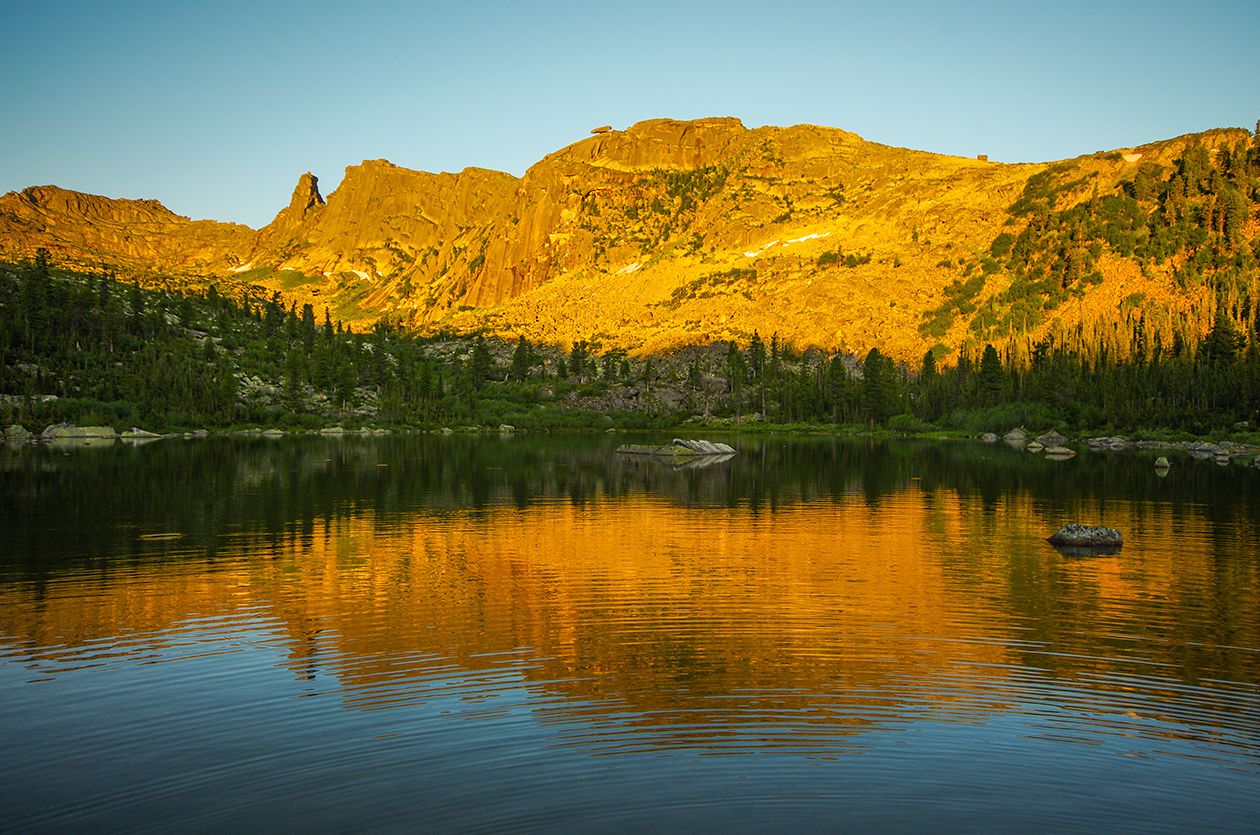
303 205
399 238
1077 535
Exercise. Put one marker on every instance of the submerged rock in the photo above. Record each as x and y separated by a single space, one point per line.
1060 452
1079 536
135 435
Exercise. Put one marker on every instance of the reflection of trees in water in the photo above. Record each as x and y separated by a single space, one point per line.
101 500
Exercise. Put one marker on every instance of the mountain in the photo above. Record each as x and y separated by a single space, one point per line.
671 233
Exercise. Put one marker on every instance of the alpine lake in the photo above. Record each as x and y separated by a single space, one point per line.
533 633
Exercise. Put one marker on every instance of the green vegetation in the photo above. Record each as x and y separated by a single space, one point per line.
1191 219
838 256
88 349
736 279
662 206
1208 390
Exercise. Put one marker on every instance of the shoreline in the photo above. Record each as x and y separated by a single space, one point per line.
66 435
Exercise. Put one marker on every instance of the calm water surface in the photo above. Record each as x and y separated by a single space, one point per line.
531 634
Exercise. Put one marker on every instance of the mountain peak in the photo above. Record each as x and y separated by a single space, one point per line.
306 196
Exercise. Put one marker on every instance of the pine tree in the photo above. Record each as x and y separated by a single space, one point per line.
480 364
878 394
522 359
991 376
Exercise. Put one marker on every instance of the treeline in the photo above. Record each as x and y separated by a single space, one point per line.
112 352
90 349
1212 386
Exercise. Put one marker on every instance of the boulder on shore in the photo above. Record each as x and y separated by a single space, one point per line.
1080 536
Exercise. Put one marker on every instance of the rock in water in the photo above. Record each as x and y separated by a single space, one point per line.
68 430
1079 536
679 448
1051 439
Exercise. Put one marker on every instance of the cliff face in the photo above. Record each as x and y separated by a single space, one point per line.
663 234
387 237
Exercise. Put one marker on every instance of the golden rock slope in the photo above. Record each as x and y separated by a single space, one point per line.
646 239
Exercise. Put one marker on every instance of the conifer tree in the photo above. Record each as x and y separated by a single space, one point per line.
990 381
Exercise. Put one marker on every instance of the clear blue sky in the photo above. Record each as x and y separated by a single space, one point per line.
216 109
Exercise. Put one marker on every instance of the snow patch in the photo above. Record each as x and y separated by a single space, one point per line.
755 252
808 237
629 268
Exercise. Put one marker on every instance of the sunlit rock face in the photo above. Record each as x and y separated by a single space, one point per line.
129 233
663 234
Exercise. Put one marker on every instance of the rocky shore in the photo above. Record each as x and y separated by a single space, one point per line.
1052 443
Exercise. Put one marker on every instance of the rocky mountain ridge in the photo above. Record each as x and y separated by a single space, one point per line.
664 234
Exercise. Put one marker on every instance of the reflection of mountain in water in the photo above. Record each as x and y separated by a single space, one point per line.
874 577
